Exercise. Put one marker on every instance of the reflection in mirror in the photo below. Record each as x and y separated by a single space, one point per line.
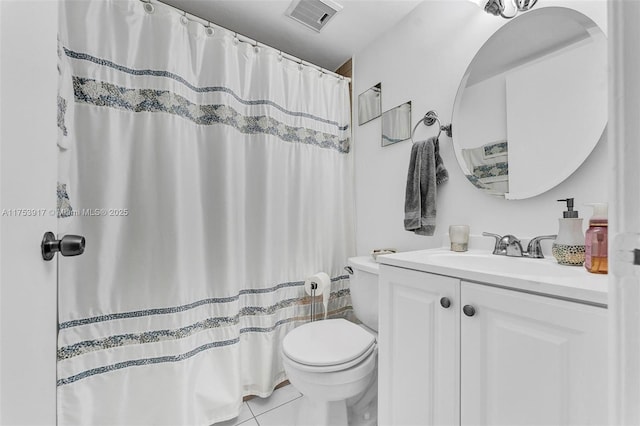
490 166
396 124
369 104
532 104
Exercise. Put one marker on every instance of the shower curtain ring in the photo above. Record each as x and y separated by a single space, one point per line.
208 30
148 7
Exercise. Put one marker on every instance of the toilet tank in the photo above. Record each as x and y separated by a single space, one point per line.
363 283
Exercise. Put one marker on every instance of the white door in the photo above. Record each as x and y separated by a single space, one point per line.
624 205
418 354
28 171
531 360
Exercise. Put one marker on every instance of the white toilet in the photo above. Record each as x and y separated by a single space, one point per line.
333 362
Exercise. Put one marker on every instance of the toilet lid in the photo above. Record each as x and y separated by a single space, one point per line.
328 342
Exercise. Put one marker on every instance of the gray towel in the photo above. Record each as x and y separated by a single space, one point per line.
426 171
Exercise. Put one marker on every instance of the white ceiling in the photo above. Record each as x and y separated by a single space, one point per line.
353 28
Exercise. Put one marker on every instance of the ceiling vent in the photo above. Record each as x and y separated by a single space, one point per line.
314 14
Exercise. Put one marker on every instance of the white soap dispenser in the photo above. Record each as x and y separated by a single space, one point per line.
568 247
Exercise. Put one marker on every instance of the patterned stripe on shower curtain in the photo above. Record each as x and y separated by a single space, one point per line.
210 179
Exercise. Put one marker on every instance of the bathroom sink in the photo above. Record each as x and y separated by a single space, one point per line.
487 262
544 276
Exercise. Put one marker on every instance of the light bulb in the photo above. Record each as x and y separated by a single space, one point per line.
497 7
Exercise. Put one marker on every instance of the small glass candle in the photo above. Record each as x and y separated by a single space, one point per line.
459 237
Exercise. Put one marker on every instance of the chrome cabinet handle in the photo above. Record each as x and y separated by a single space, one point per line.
469 310
69 245
445 302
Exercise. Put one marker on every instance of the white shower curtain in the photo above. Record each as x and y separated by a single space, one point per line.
210 178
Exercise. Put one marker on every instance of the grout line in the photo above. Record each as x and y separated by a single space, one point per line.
250 410
276 407
247 421
272 394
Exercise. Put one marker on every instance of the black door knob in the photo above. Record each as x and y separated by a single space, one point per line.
69 245
469 310
445 302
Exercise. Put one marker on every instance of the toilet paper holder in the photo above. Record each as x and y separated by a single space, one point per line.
314 287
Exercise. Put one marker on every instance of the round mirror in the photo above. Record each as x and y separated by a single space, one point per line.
532 104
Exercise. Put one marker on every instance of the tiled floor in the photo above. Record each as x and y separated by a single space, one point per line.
277 410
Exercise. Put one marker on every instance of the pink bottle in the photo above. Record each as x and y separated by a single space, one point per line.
596 240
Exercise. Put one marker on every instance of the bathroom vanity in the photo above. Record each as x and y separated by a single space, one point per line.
476 339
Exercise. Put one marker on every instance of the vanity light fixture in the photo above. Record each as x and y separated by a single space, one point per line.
497 7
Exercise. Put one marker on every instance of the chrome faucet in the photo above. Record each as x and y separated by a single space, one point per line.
509 245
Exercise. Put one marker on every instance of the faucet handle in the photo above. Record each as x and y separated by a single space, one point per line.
534 250
497 249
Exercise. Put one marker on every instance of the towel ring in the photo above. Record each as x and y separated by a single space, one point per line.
428 120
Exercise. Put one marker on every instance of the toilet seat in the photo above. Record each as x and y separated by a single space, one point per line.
331 368
329 345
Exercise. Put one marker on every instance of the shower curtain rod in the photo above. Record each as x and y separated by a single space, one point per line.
249 40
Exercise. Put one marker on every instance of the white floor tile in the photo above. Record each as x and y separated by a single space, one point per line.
250 422
245 414
277 398
283 415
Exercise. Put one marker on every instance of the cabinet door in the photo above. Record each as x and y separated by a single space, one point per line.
531 360
418 349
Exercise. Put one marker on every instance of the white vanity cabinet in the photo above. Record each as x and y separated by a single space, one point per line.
418 348
493 356
529 359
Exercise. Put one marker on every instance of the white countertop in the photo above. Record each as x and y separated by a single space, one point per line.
542 276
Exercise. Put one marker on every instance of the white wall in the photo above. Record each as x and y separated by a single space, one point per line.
422 59
28 168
